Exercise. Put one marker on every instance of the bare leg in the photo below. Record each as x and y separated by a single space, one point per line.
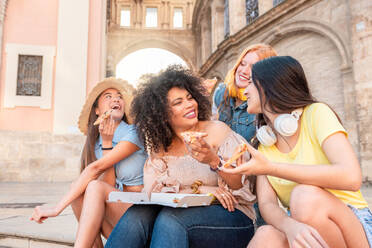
332 218
76 206
94 211
268 237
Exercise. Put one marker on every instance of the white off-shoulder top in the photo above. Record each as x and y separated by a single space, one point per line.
172 174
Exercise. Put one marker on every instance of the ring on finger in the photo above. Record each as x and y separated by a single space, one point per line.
223 195
196 153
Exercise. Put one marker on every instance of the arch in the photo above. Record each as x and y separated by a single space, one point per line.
173 47
286 29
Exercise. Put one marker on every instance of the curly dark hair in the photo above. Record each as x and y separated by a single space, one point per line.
151 110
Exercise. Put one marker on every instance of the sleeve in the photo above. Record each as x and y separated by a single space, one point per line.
156 178
226 150
218 94
324 122
132 137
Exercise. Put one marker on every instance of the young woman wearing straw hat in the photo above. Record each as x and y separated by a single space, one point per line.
112 160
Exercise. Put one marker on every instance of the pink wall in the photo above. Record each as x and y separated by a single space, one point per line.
30 22
95 44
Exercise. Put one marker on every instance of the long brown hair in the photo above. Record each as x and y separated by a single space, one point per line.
282 88
88 154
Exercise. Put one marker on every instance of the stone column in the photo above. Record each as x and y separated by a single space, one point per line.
3 4
264 6
217 22
206 36
138 14
189 15
361 38
236 15
167 15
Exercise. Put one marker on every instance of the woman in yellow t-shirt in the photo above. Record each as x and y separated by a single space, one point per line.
306 161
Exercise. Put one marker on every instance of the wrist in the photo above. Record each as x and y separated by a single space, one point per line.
286 224
214 164
107 143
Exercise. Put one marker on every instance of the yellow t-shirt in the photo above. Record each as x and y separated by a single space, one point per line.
317 123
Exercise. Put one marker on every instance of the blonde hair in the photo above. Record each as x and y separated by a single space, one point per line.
263 51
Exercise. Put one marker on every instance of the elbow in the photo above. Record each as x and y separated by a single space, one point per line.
95 169
355 183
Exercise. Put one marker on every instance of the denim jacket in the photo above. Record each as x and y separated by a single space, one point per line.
237 118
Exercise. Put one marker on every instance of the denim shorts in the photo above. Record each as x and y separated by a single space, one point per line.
365 217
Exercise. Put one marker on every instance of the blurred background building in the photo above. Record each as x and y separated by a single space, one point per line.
53 52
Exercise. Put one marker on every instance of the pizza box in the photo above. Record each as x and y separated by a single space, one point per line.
165 199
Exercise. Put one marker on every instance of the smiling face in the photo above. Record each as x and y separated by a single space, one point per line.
111 99
243 72
183 109
253 99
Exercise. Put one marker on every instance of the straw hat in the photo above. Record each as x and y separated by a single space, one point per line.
122 86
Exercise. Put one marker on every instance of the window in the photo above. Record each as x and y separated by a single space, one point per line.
251 10
125 18
276 2
226 23
29 75
177 18
151 17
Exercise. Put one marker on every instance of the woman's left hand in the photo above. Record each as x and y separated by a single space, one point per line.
257 165
201 151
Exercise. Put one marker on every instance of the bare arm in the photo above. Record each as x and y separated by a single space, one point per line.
343 164
108 175
91 172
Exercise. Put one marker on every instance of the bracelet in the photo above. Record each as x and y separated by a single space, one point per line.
106 148
218 166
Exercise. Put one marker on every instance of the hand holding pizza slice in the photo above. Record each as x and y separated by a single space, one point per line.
103 117
191 136
237 154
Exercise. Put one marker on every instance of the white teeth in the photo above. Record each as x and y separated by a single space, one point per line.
243 78
190 114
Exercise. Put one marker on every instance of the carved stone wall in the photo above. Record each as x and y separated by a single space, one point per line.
331 39
123 40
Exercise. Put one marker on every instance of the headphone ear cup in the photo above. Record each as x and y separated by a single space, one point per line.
266 136
286 124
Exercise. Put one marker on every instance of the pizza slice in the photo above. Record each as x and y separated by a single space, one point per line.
103 117
239 152
191 136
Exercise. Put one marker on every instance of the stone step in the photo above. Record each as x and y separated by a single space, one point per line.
25 242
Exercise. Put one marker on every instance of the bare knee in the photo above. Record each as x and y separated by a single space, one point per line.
265 233
94 187
306 202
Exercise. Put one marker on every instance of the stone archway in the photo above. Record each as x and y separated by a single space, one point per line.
183 53
123 42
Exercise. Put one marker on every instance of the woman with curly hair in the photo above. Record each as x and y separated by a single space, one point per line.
165 107
112 160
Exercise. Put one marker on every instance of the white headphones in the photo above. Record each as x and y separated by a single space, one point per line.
284 124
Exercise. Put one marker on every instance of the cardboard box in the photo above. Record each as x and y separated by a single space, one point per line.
165 199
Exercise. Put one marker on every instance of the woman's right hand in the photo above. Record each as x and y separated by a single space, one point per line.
257 165
302 235
41 213
106 130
